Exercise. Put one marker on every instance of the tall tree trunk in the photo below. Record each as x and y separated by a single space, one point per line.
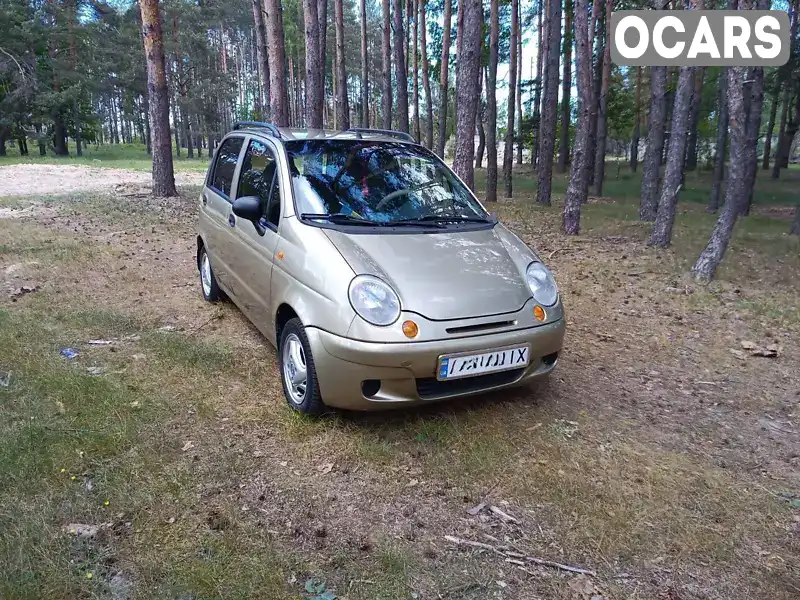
467 92
537 93
426 80
276 58
73 53
76 117
147 131
175 121
113 133
322 22
386 53
648 204
694 119
595 37
602 115
400 67
544 173
364 66
665 215
342 102
163 175
198 136
415 73
59 131
671 77
293 116
753 129
722 138
444 72
481 132
788 127
773 113
42 145
735 192
566 89
785 108
410 11
785 140
638 116
508 156
578 188
314 66
173 105
263 62
459 42
335 94
491 102
182 84
519 85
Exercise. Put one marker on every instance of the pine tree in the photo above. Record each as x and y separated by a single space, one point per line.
158 94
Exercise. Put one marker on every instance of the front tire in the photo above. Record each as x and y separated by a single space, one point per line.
208 282
298 374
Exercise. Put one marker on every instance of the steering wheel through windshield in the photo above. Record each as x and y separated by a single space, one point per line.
390 198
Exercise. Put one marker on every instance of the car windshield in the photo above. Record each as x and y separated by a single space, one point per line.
377 182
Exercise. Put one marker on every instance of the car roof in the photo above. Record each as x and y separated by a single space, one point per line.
287 134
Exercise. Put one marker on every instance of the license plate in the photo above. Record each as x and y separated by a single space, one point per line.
456 366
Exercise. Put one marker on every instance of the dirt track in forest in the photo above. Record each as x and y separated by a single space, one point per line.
50 179
663 454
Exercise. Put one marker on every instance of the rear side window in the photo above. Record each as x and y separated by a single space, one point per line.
224 167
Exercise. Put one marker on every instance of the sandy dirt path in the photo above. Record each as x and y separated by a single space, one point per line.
44 180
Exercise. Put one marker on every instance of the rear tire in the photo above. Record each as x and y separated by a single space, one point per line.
298 373
208 282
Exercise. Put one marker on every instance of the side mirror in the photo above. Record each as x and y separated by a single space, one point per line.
248 207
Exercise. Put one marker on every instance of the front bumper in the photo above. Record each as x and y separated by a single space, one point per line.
407 371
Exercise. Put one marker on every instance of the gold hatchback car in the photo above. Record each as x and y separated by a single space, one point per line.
373 269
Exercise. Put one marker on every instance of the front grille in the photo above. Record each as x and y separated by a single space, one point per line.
430 387
480 327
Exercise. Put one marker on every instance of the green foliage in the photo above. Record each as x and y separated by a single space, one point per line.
621 106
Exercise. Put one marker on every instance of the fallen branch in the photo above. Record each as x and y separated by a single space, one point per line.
562 567
462 542
516 557
554 252
503 515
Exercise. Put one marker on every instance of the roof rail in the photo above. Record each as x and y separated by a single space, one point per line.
402 135
273 131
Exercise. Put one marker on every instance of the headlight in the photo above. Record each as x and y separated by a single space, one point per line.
543 285
374 300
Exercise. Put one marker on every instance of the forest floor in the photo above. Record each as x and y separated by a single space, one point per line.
162 462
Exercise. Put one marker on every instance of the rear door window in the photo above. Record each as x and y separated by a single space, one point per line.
225 165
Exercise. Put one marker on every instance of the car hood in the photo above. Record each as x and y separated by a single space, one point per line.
444 275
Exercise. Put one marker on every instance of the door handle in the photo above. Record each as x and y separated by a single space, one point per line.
205 199
231 220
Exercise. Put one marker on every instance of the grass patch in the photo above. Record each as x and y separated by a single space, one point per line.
624 185
118 156
78 448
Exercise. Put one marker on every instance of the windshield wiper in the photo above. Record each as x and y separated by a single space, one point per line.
441 219
340 219
423 222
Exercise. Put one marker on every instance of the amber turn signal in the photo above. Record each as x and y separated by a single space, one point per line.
539 313
410 329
